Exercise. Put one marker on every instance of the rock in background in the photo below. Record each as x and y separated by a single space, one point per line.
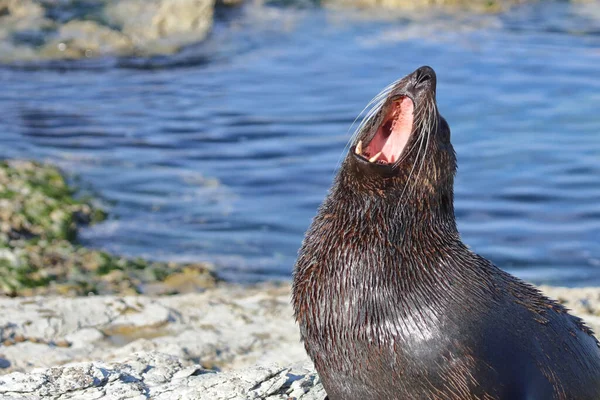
161 26
33 30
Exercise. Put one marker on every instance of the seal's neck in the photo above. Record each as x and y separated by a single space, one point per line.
401 216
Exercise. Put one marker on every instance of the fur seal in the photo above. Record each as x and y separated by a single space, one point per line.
392 305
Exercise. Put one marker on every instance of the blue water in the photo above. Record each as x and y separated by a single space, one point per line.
224 152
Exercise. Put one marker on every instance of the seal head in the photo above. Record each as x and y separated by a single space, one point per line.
402 151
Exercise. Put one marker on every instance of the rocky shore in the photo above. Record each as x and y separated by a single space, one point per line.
228 342
158 376
224 328
78 323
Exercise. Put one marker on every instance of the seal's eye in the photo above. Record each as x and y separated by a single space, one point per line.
392 135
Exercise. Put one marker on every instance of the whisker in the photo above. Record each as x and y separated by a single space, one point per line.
411 172
374 107
425 130
417 120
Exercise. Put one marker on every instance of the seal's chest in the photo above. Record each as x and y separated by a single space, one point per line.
392 366
360 321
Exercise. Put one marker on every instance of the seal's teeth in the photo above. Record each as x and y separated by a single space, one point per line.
358 149
375 157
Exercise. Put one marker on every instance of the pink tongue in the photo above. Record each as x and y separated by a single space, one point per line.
401 128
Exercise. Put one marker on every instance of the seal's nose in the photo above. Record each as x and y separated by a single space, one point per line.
423 76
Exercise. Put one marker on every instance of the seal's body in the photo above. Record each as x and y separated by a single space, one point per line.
392 305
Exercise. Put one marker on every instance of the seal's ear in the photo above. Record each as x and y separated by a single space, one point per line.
444 131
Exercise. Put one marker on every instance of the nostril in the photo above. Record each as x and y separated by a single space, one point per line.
424 75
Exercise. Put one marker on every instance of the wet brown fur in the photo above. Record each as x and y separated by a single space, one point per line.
392 305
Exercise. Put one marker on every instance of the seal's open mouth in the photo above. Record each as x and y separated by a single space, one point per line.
392 135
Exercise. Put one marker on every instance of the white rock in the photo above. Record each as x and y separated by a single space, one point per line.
229 327
82 338
160 376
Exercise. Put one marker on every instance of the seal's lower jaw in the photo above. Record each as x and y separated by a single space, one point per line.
391 136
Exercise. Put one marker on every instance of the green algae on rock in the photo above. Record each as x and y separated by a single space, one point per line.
36 202
39 218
